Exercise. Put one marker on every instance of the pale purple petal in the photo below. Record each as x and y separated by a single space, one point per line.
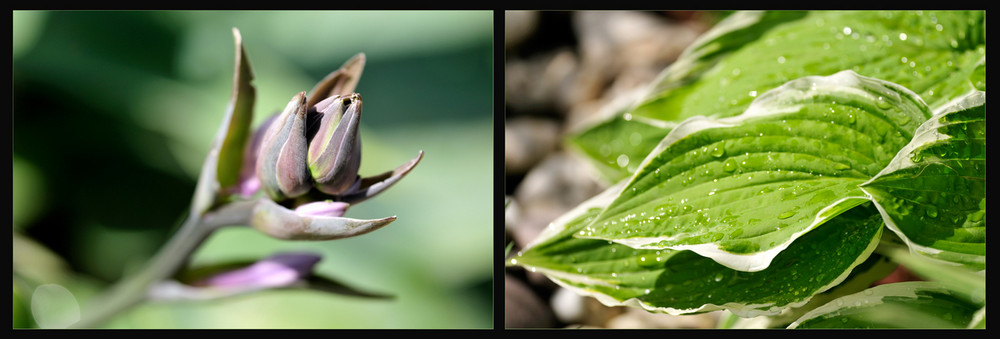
277 271
323 209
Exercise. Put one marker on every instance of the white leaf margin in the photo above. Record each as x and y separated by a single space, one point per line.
871 297
925 134
605 198
771 103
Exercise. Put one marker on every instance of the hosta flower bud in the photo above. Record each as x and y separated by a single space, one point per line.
335 150
281 162
278 270
326 208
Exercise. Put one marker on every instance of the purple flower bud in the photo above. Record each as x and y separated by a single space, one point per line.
276 271
323 209
281 162
335 151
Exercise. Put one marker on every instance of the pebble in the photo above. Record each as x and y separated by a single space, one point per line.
522 308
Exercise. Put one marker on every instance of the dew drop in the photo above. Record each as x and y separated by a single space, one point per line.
718 151
902 119
781 59
932 211
786 214
718 277
842 166
729 165
902 36
882 103
847 30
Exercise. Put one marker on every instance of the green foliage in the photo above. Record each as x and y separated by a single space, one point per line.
786 140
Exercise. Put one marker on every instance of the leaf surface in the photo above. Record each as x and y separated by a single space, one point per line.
740 190
933 193
898 305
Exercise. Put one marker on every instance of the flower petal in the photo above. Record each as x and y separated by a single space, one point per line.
323 209
278 270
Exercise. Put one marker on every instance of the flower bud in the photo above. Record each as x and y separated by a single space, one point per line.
278 270
326 208
281 162
335 151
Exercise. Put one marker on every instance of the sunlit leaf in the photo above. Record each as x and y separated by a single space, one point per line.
933 193
740 190
933 53
682 282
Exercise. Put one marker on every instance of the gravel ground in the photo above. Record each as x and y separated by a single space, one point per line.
562 67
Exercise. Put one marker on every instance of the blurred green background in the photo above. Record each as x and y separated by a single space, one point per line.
113 113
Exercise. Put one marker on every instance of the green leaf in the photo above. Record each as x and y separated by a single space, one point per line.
899 305
963 282
874 268
934 53
933 193
682 282
618 145
740 190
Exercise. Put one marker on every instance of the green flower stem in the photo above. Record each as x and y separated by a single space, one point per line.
133 289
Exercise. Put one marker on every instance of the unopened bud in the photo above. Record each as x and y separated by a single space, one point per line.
281 163
335 150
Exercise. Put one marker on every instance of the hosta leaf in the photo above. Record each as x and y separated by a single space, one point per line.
933 193
874 268
934 53
899 305
682 282
740 190
968 284
978 319
618 146
616 142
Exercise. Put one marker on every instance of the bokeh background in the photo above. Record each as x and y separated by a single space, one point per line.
114 112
